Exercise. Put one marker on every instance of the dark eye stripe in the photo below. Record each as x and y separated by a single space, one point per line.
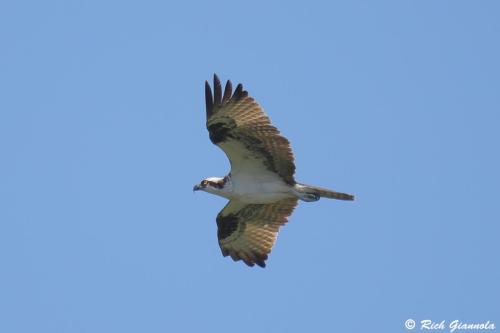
217 185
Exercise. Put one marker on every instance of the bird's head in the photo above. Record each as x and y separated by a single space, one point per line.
215 185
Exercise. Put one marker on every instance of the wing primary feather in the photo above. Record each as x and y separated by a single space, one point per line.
238 91
209 100
227 91
259 259
261 264
217 91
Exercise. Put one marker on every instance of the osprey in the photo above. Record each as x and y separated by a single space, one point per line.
261 187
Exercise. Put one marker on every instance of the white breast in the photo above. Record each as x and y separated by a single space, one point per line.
264 187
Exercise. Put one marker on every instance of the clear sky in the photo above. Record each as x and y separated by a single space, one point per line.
102 137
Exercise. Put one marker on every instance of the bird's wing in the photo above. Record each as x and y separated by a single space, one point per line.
248 231
238 125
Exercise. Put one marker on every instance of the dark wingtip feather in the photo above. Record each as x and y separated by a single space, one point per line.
248 263
261 260
238 91
228 90
209 99
261 264
217 90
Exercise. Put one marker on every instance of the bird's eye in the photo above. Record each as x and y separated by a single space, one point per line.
204 183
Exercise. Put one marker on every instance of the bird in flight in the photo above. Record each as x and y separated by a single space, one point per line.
261 187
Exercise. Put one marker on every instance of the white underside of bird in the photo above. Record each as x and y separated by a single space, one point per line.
253 189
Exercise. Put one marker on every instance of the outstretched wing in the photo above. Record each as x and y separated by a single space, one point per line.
248 231
239 126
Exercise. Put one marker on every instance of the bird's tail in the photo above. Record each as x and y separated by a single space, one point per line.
313 193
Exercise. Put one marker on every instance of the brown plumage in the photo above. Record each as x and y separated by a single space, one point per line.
248 232
237 123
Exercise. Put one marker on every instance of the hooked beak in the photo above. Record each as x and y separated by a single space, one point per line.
196 188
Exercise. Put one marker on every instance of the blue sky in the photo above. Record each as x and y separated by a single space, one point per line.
102 137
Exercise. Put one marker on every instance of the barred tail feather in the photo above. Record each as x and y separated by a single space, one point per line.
304 190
